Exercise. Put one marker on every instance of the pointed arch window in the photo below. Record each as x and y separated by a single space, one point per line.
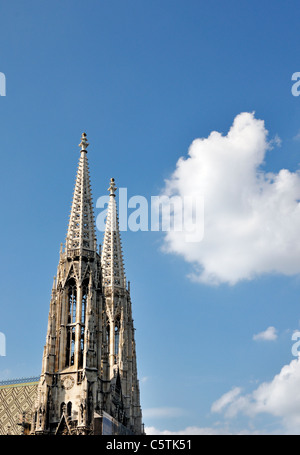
107 336
117 338
71 320
69 409
70 349
81 347
83 305
62 407
83 318
72 301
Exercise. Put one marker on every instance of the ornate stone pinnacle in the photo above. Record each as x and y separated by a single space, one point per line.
84 143
112 187
81 232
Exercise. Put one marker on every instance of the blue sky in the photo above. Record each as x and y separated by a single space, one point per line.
144 79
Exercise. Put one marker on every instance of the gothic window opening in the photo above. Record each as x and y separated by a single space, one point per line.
70 346
117 338
83 305
72 297
81 348
107 335
71 320
69 409
62 408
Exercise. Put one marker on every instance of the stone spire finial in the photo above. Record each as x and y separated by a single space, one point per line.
112 187
112 256
84 143
81 231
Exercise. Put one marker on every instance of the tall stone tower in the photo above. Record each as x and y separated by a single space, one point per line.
88 383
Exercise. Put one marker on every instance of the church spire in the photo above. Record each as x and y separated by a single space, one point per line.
89 367
112 257
81 231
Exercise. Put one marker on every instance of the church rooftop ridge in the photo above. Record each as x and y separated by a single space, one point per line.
19 380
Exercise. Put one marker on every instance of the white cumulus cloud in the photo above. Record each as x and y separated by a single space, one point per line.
270 334
251 217
279 398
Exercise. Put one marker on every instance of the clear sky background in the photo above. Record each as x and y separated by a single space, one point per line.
144 79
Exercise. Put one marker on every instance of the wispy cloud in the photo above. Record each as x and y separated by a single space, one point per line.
209 431
276 141
225 399
270 334
187 431
278 398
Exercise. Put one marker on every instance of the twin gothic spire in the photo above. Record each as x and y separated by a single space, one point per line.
81 232
81 235
89 371
112 256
